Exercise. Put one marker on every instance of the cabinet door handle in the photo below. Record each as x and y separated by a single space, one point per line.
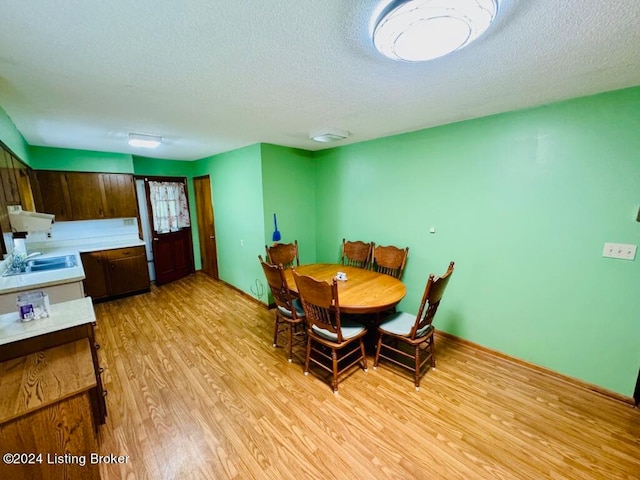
100 370
212 237
97 346
104 393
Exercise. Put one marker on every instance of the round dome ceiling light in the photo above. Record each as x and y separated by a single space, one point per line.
421 30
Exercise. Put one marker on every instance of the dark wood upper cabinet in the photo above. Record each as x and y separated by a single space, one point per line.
120 194
24 185
84 196
51 194
86 192
15 189
9 179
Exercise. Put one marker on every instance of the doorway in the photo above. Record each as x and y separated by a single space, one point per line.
170 248
206 226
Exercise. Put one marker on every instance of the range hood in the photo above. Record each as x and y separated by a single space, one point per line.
23 221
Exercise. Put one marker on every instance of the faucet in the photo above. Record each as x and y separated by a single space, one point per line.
19 261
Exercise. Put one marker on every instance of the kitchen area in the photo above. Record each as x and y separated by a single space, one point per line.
69 239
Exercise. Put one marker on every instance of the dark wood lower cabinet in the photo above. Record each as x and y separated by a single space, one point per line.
112 273
95 283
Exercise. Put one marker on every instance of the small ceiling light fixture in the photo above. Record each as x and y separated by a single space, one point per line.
326 135
144 141
421 30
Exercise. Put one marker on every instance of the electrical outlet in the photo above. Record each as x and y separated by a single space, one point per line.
242 243
619 250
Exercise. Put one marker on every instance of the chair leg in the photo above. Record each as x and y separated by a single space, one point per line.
334 361
308 356
432 349
275 332
378 347
291 331
364 356
416 374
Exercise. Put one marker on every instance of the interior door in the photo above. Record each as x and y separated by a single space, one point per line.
172 251
206 226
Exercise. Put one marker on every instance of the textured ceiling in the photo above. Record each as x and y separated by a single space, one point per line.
210 75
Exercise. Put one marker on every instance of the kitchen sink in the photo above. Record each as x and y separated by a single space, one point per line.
44 265
52 263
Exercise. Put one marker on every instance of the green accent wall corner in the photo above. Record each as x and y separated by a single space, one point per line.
523 203
236 188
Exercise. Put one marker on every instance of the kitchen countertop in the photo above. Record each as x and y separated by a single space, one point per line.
85 245
35 280
110 244
63 315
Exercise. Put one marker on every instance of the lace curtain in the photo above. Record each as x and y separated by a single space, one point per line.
169 206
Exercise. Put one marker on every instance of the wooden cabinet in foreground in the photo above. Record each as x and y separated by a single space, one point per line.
116 272
46 413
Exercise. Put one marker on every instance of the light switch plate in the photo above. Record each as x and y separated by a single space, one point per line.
619 250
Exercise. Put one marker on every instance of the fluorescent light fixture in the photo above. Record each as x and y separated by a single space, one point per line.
144 141
421 30
326 135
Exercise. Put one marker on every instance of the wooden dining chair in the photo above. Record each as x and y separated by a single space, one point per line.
283 253
390 260
336 344
414 332
356 254
290 317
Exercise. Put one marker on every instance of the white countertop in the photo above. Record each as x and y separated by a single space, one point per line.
111 244
63 315
94 244
35 280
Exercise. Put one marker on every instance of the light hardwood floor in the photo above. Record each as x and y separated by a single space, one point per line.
196 390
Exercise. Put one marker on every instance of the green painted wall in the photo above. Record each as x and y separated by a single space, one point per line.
46 158
165 168
523 203
12 138
236 187
288 181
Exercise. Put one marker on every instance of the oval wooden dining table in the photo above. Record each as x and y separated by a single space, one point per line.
364 291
